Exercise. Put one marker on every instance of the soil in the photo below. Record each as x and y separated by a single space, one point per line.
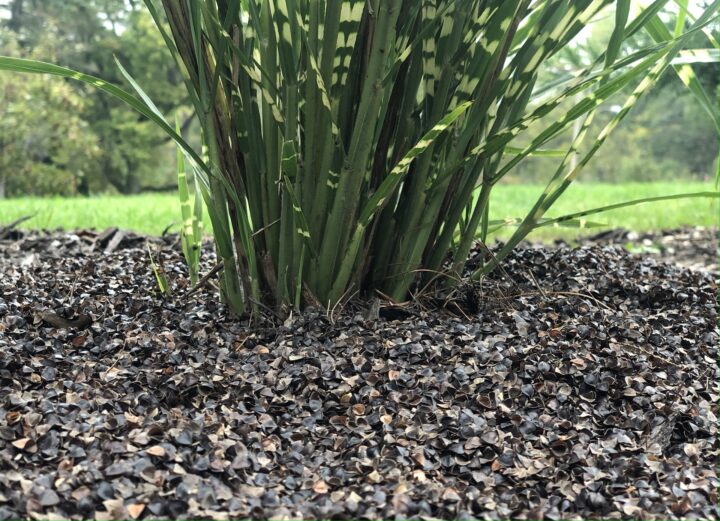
574 383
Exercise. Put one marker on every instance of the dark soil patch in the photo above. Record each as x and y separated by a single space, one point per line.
576 384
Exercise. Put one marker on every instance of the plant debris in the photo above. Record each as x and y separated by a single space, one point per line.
585 386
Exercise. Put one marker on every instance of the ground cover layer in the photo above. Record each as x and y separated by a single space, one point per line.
570 384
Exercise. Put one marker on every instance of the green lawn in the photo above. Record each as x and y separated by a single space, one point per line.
152 213
516 200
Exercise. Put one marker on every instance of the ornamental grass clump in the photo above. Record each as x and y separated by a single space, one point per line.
352 146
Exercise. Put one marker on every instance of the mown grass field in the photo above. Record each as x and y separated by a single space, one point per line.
153 213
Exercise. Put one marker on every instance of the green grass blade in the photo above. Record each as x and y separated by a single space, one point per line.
690 56
160 275
384 191
39 67
571 222
539 152
189 231
646 200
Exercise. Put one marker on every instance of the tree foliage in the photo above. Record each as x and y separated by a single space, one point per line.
125 152
47 147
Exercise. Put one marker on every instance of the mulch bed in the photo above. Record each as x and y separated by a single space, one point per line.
575 384
695 248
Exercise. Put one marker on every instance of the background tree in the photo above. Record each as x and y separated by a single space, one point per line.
131 154
46 147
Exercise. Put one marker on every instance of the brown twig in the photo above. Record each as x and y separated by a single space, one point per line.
205 279
267 308
537 285
497 263
55 320
331 312
5 230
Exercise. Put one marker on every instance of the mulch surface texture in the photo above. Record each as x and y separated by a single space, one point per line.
573 384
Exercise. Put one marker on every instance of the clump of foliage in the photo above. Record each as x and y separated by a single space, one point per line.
353 145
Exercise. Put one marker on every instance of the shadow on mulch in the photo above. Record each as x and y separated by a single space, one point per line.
577 384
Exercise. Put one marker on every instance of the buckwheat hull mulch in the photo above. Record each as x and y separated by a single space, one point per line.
576 384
